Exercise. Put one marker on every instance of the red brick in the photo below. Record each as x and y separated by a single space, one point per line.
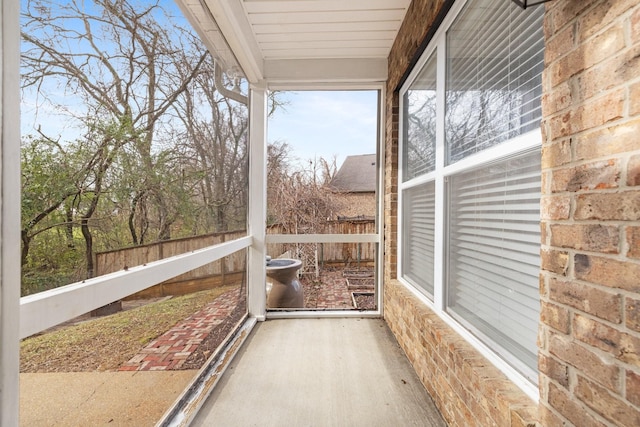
633 167
554 369
601 46
600 175
554 261
555 207
555 316
559 44
563 402
586 361
548 418
621 345
612 140
612 73
607 272
635 26
602 15
565 13
600 303
634 99
632 313
624 206
633 240
632 387
596 112
556 154
589 237
608 405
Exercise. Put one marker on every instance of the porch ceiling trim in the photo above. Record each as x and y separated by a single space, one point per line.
307 41
231 18
340 70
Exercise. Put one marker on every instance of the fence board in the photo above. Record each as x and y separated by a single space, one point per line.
116 260
328 253
331 253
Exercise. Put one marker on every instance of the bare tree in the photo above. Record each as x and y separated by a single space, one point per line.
124 65
300 199
214 148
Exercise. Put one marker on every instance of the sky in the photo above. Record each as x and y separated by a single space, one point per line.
314 123
326 123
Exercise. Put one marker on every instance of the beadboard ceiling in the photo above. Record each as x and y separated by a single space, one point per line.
300 41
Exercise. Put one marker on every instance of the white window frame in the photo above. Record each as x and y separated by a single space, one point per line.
520 144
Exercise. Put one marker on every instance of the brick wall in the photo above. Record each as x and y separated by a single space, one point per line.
590 282
589 338
355 204
467 389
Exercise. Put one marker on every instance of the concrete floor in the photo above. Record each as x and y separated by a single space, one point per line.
134 399
319 372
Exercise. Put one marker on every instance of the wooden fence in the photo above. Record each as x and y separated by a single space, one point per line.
226 270
232 268
335 253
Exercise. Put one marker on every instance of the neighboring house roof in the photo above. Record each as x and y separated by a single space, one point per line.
356 175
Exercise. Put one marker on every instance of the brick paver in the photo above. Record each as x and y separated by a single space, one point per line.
333 292
330 291
170 350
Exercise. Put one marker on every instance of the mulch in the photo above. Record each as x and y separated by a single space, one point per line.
215 338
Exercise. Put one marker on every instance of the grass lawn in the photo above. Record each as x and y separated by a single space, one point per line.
103 344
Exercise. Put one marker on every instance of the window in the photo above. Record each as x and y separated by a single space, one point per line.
470 176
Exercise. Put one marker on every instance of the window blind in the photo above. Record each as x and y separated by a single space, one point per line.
494 243
418 212
495 58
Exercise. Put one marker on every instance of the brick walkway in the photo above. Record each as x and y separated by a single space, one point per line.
333 292
329 292
170 350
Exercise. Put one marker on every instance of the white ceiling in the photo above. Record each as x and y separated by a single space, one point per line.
303 41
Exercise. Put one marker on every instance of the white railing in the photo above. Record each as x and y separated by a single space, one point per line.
323 238
49 308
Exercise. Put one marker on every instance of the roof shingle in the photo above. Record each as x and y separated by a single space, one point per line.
356 175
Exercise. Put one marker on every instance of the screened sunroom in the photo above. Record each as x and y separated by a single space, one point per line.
457 88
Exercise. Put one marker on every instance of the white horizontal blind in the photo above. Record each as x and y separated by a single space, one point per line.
418 210
495 54
419 150
494 244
